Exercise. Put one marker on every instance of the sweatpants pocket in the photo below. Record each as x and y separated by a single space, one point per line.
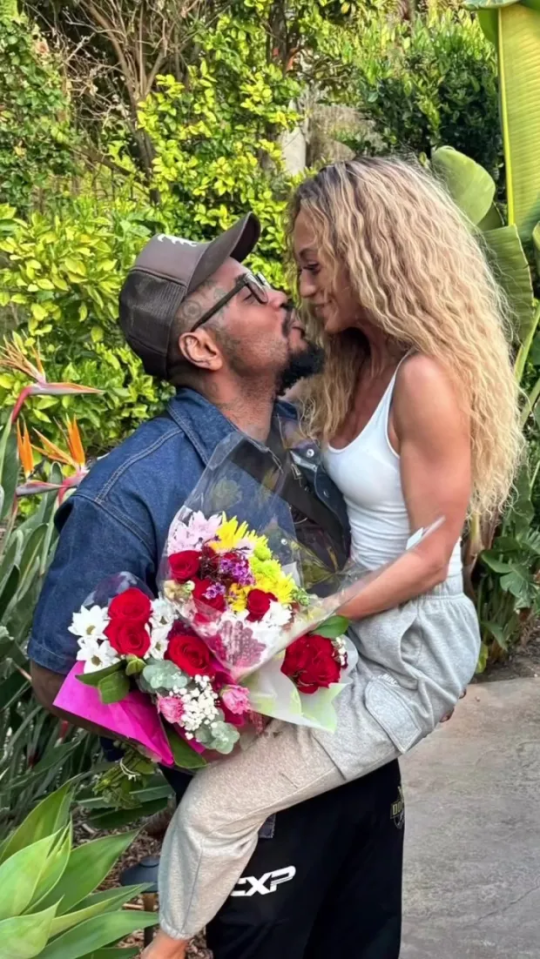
387 706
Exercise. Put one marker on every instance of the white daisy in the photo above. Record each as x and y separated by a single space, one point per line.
96 654
277 615
163 613
90 622
159 641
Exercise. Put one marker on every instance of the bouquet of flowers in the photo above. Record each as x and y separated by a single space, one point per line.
243 627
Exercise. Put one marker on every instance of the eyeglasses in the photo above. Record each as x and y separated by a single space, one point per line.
254 282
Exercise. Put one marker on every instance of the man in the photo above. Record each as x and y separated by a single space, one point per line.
326 875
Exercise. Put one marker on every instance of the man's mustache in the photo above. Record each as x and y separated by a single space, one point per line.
291 315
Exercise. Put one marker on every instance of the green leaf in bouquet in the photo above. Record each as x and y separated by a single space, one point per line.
24 937
333 627
87 867
134 666
114 688
162 674
19 877
184 756
224 737
94 679
97 932
50 815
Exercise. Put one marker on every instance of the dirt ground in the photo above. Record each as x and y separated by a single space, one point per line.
522 663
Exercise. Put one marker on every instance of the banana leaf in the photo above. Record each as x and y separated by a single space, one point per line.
469 185
509 263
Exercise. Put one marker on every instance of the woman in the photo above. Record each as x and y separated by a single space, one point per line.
417 414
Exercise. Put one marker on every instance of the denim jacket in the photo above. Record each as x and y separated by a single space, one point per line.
119 517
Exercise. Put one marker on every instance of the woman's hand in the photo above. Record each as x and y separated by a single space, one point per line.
164 947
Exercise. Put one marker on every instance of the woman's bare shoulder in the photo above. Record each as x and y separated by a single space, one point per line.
422 377
426 395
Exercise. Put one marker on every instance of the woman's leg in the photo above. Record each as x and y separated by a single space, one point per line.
214 831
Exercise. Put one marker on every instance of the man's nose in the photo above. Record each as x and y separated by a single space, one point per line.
278 299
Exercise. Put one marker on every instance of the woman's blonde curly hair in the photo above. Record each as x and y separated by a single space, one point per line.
421 276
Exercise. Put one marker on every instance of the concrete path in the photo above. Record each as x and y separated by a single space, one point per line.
472 792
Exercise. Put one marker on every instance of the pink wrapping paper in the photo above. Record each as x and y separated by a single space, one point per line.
134 718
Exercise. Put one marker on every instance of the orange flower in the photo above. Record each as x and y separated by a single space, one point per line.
12 357
74 456
75 443
24 447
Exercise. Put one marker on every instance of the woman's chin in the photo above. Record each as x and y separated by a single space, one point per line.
332 325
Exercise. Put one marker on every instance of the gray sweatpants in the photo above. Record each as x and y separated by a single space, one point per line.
426 654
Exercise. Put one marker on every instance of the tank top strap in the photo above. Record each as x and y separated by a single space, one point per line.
383 410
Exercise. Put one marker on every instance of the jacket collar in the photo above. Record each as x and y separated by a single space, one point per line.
206 426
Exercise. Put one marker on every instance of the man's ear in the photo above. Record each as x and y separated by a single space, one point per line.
200 349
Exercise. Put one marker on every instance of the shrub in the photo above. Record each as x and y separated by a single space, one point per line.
61 285
36 136
427 83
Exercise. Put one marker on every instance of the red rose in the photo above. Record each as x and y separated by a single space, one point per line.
132 605
184 565
189 653
258 603
311 663
128 637
203 594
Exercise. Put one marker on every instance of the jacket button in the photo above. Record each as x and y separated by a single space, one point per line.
310 453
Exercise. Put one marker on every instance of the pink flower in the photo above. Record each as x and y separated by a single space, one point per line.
171 708
236 699
193 533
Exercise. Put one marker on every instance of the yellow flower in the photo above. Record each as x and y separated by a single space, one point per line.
237 598
231 533
270 577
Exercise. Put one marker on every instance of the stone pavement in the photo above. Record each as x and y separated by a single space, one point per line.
472 792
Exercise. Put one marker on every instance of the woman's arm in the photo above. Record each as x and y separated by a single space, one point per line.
432 436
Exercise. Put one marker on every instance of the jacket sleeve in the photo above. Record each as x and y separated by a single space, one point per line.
94 543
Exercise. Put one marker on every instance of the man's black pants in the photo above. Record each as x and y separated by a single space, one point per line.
327 884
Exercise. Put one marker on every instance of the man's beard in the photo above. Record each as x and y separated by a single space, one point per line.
308 362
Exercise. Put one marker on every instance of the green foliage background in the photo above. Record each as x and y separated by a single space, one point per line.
78 200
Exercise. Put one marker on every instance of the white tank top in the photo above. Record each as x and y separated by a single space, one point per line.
367 472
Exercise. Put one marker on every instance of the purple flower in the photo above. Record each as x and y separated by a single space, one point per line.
216 589
237 569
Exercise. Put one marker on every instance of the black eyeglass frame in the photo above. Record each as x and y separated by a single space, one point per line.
256 284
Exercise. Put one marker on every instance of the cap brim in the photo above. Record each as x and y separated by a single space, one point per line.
237 242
